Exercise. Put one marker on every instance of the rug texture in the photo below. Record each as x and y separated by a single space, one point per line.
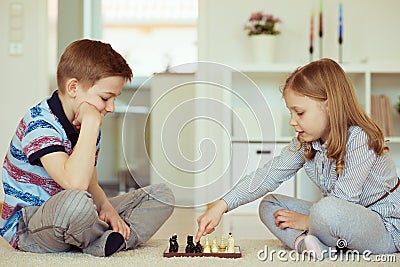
151 254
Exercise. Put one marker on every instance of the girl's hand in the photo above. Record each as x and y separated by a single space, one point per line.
291 219
210 219
109 215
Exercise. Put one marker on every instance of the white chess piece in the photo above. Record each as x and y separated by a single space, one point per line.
207 246
214 246
222 245
231 244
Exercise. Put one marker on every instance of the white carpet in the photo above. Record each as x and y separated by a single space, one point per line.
151 255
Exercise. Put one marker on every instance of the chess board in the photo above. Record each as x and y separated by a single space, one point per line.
222 254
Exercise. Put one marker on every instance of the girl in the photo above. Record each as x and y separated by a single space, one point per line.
344 153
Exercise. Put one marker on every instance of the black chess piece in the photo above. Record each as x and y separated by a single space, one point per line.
198 248
190 247
173 244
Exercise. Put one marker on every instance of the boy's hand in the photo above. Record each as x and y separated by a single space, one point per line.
87 111
210 219
109 215
291 219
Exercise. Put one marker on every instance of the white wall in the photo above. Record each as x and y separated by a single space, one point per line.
370 29
70 23
24 78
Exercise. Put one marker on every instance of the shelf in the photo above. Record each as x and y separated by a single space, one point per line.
287 139
248 103
393 139
280 139
138 82
121 107
269 68
385 68
290 67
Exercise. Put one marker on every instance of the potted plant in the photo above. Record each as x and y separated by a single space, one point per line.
261 28
260 23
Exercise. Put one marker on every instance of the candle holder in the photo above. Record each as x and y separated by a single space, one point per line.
320 45
311 50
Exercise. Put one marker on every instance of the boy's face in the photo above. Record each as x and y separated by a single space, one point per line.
309 118
102 94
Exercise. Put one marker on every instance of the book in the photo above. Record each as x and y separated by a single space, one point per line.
381 113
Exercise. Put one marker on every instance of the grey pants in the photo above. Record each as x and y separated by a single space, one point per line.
330 219
69 219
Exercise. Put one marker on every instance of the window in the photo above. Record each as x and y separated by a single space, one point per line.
151 34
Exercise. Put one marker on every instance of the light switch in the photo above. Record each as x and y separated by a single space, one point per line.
15 49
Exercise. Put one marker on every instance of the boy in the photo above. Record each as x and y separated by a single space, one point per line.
53 201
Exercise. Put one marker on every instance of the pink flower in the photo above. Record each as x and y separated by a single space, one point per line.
256 16
260 23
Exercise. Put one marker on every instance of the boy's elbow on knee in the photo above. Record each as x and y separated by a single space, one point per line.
77 185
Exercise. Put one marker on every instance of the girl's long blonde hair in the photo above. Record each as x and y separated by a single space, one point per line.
325 80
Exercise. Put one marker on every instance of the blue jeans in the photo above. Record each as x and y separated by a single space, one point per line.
330 219
69 219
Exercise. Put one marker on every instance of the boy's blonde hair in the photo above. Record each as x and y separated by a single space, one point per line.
89 61
325 80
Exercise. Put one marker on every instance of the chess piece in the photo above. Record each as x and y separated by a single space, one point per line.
231 244
173 243
207 248
222 245
190 247
198 248
214 246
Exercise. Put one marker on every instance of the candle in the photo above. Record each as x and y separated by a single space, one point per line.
340 23
340 33
312 27
320 19
311 33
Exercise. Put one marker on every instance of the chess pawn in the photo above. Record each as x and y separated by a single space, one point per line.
173 243
222 245
207 248
231 244
214 246
198 248
190 247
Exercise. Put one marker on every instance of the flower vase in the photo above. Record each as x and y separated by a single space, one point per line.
263 47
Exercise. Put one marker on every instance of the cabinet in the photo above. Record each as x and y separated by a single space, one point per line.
259 118
258 154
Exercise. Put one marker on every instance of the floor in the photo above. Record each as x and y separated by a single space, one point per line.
183 222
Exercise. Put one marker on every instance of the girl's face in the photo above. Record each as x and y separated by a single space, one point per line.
309 117
102 94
